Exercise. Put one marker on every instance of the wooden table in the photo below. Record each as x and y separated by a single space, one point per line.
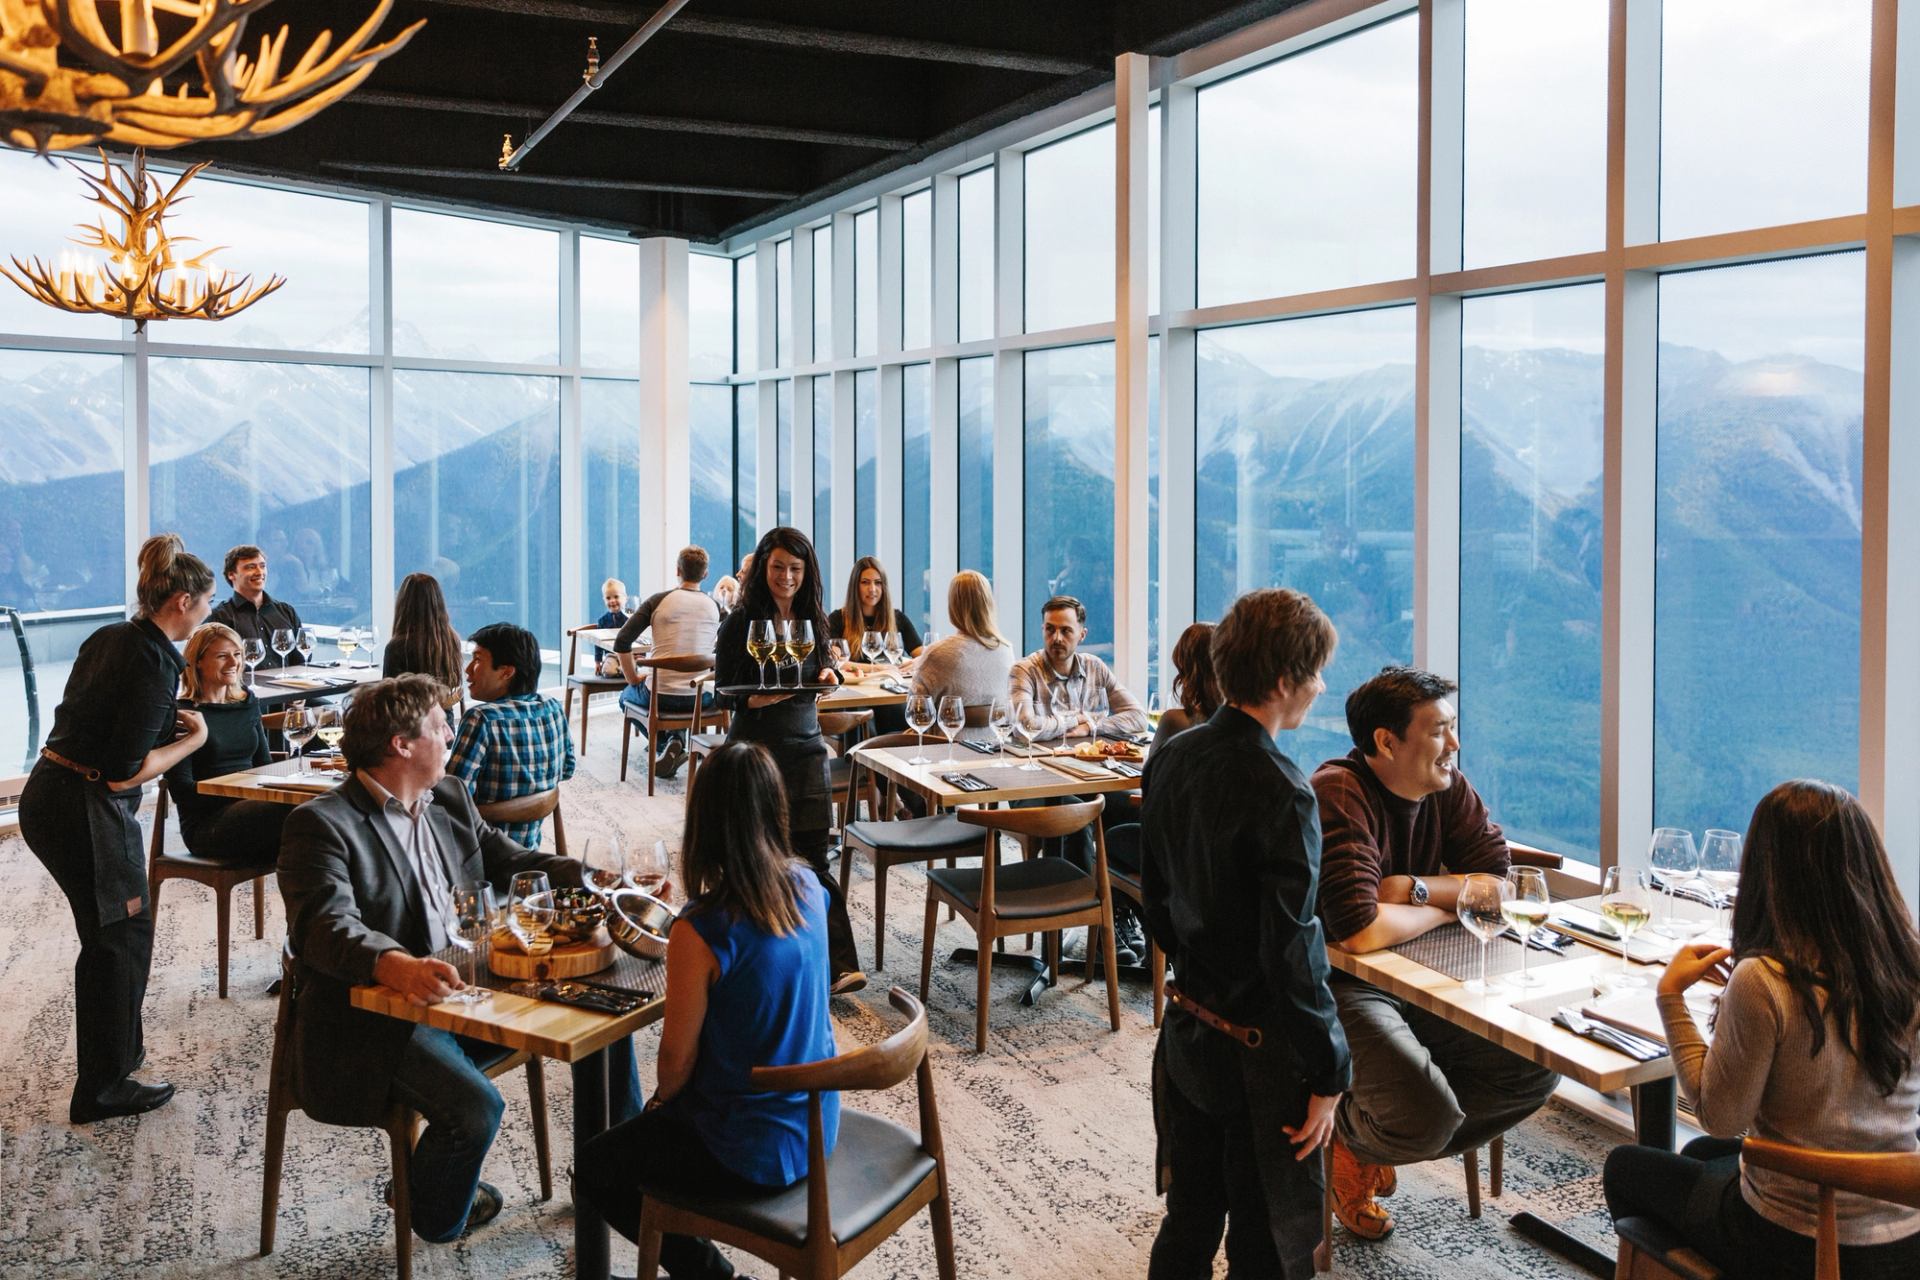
573 1036
1493 1017
1009 781
258 784
858 694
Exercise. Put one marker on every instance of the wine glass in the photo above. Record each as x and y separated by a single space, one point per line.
348 640
920 718
896 648
283 643
953 718
255 652
760 645
648 868
469 927
1153 708
1000 720
839 653
1720 868
604 864
873 644
1672 856
782 650
1626 900
1526 910
1061 702
1027 722
328 727
369 638
304 642
799 648
1096 710
1481 908
530 907
300 725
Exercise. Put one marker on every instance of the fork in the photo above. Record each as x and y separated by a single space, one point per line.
1637 1047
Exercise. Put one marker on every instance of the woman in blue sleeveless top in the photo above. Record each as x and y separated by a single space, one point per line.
746 987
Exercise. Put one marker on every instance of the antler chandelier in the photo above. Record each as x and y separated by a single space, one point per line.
64 82
143 278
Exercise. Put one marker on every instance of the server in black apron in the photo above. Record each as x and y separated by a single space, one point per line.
1252 1059
784 586
117 727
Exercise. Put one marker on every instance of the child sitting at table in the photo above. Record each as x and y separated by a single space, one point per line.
613 593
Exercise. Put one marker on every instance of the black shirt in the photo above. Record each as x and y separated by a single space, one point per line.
118 703
836 621
259 622
1230 837
789 729
236 740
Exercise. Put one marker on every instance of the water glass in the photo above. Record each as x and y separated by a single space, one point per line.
1672 856
1028 722
301 724
1000 720
470 930
1480 910
255 653
873 644
953 718
920 718
283 643
1720 870
896 648
305 643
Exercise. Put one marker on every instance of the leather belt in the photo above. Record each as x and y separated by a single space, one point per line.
1249 1036
91 775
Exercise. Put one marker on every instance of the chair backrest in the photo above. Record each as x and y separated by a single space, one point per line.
281 1069
1525 855
684 663
527 808
880 742
836 724
275 721
978 713
874 1066
1043 822
1890 1176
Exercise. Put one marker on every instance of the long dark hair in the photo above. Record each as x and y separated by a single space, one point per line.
1818 898
1193 683
756 598
734 852
422 636
853 614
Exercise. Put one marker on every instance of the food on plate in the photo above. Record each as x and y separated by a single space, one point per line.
1106 749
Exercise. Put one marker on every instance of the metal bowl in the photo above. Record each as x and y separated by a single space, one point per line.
578 914
639 923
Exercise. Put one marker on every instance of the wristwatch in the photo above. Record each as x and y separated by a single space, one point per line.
1418 894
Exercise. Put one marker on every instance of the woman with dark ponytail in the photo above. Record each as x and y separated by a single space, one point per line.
116 729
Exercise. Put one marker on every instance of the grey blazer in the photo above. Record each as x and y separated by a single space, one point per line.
351 894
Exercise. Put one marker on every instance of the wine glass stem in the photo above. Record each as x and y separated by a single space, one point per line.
1524 948
1483 964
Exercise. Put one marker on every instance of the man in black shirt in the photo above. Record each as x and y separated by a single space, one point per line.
1252 1051
250 611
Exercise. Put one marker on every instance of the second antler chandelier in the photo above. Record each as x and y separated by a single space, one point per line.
197 86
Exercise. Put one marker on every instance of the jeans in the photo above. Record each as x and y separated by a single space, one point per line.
1696 1195
1422 1087
658 1146
437 1076
640 697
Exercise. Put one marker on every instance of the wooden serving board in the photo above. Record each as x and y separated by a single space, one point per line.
572 960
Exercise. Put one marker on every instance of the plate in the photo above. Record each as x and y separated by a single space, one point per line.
1108 749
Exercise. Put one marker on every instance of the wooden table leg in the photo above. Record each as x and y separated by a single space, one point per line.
592 1251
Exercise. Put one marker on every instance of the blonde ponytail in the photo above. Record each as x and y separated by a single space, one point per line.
166 569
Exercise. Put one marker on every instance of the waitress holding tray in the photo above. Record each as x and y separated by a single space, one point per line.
784 586
116 728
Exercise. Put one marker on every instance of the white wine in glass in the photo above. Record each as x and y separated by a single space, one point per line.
799 648
1626 900
1526 910
1479 907
760 645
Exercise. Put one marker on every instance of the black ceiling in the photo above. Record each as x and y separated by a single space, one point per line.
734 111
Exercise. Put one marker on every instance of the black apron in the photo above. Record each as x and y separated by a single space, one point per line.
71 821
791 731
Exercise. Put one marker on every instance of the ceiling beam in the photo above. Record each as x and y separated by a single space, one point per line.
628 120
552 180
790 36
595 77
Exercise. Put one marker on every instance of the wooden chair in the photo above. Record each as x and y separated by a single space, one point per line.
655 721
401 1126
880 1175
1127 885
536 807
1039 895
1648 1251
588 685
836 727
889 844
699 747
221 877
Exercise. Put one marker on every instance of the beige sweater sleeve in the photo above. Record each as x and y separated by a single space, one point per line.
1725 1080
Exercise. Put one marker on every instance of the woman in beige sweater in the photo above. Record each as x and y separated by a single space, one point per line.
1813 1044
974 662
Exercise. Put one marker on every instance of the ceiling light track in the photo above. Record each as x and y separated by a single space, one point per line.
593 80
555 180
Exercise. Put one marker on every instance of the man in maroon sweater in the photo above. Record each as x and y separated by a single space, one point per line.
1401 826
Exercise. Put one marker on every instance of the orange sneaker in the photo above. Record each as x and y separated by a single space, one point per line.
1354 1186
1386 1180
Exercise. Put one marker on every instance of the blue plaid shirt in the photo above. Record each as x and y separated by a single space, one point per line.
513 747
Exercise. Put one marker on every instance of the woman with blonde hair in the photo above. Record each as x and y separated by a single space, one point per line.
222 830
116 729
976 662
423 641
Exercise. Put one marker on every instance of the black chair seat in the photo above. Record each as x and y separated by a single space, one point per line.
874 1166
193 862
1023 890
1124 880
839 769
940 835
1653 1239
597 682
707 740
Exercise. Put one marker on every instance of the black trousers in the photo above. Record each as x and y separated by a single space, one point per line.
657 1146
110 975
1219 1183
239 831
816 848
1696 1195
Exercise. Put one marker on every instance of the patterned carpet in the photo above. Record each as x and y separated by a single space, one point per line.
1049 1136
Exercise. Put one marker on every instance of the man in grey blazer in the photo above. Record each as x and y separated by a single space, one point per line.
367 873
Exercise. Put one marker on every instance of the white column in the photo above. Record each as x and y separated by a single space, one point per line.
1009 400
663 404
573 454
380 460
1178 160
1436 422
134 446
889 513
943 512
1130 372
